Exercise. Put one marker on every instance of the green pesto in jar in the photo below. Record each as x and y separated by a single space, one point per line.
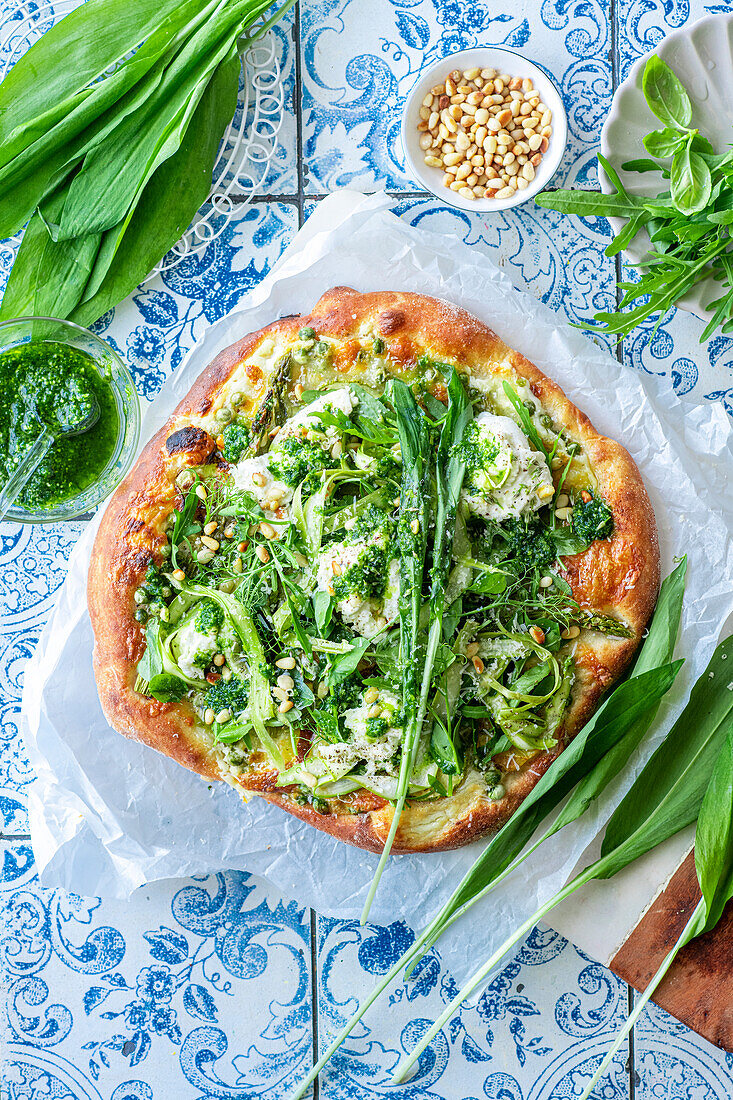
46 384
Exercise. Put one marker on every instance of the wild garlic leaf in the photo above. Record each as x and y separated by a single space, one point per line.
714 837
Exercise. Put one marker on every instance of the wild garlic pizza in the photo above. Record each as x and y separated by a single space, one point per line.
374 560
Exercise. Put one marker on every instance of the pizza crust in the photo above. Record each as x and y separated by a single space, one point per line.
618 576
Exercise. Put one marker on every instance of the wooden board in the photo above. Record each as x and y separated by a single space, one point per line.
698 989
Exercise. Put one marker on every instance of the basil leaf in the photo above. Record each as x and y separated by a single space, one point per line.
565 541
346 663
444 751
490 582
185 523
166 688
690 181
665 95
327 726
663 143
323 609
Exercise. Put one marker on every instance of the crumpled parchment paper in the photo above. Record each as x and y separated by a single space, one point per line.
108 815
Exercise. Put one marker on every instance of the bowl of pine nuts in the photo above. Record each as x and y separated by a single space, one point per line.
484 129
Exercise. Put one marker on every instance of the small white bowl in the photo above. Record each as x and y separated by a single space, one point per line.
701 55
505 61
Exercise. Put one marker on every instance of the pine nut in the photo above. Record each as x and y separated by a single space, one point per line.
209 716
537 634
201 492
473 124
219 659
571 632
287 683
210 527
322 690
285 706
415 526
562 501
259 479
478 664
286 663
545 582
267 530
370 696
178 575
263 554
472 649
203 557
223 716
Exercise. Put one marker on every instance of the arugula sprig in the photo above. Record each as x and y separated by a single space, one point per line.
688 225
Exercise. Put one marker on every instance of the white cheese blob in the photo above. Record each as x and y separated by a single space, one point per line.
376 753
367 616
341 400
195 649
504 476
254 476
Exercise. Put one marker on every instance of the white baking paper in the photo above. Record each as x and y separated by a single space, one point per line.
108 815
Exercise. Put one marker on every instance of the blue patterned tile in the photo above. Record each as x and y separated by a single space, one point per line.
360 62
558 260
674 354
542 252
672 1063
197 987
644 23
538 1028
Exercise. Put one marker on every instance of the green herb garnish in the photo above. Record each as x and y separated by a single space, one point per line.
688 224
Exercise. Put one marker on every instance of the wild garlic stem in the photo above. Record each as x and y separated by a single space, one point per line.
688 933
478 977
354 1020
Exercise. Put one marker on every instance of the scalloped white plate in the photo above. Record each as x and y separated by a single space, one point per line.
702 57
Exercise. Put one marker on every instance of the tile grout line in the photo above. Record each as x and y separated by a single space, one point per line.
299 199
314 999
619 351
